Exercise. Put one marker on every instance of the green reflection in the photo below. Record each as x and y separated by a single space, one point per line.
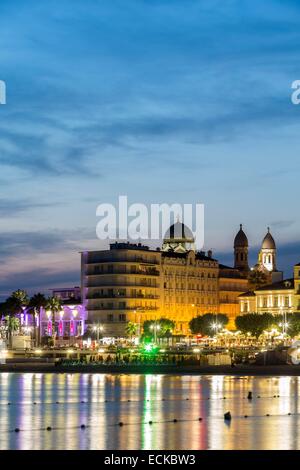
147 431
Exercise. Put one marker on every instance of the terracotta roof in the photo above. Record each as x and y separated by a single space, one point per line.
250 293
282 285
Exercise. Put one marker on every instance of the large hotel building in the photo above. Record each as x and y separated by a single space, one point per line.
130 282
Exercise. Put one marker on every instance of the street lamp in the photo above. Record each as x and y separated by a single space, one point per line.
284 322
216 326
98 328
155 328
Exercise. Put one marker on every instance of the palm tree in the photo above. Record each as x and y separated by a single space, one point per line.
18 300
54 305
13 324
36 302
131 329
16 303
21 297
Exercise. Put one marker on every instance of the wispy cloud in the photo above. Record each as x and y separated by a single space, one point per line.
11 208
150 99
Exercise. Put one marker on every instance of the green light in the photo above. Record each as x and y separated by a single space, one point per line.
148 347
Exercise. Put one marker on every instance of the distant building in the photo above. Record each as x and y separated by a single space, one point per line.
275 298
70 322
68 294
130 282
190 287
232 283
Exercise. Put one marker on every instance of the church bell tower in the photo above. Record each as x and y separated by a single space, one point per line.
241 247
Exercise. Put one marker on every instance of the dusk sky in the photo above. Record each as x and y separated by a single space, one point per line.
160 100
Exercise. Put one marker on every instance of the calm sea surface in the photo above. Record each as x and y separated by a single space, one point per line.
101 401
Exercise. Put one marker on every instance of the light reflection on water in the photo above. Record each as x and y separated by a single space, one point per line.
101 401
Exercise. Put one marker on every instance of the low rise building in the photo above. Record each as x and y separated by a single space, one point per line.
70 321
277 298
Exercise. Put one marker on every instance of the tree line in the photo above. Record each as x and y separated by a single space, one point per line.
254 323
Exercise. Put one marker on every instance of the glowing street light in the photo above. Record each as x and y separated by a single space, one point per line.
155 328
216 326
98 328
284 326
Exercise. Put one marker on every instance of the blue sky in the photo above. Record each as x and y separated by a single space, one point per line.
164 101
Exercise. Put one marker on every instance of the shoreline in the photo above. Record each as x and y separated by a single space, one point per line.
239 370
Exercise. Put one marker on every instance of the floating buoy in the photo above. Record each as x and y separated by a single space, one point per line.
246 416
275 396
258 396
57 402
48 428
82 426
289 414
128 400
34 402
82 401
227 416
8 403
199 419
174 420
120 423
150 422
267 414
224 398
249 396
187 398
17 430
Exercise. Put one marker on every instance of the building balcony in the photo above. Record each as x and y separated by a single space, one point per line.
114 296
132 309
123 260
148 272
110 285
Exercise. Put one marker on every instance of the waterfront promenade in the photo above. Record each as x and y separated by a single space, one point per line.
238 370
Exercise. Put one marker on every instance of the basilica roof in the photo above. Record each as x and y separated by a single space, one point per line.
287 284
179 231
268 242
241 239
198 255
